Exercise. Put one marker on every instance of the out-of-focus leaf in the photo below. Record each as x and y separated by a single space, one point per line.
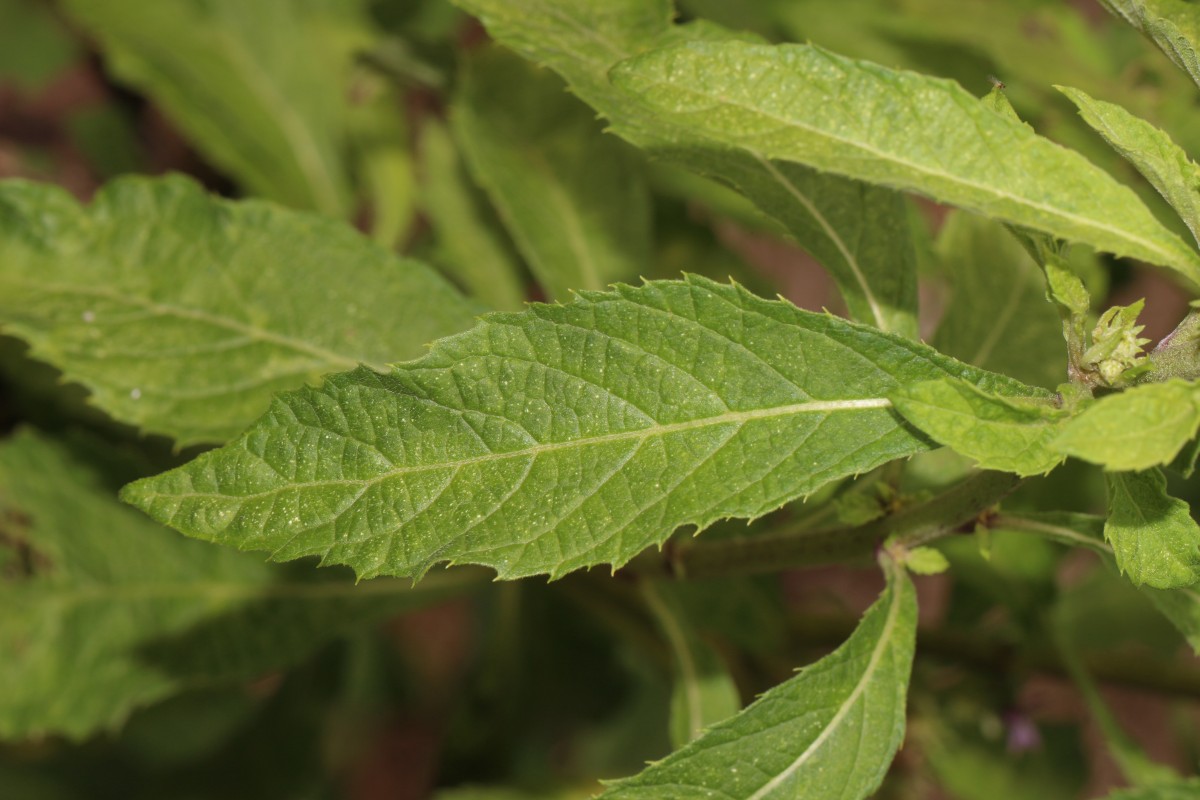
563 437
829 732
183 313
36 47
1188 789
107 611
1173 25
574 199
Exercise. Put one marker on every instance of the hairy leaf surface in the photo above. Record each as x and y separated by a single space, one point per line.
574 199
829 732
563 437
1154 538
857 231
1162 162
998 432
1142 427
802 104
183 313
106 611
228 73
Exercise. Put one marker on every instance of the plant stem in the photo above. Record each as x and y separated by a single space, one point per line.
741 555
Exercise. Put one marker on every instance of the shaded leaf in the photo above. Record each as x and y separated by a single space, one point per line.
998 432
831 731
1173 25
563 437
802 104
1153 536
106 611
183 313
857 231
1162 162
573 199
228 74
1139 428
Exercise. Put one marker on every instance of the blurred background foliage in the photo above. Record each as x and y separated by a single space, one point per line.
398 117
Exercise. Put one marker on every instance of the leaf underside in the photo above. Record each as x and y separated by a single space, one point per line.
563 437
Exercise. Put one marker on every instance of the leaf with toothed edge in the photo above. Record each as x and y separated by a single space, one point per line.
563 437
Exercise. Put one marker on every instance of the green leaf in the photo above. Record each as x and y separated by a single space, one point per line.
1173 25
829 732
987 269
999 432
36 46
1187 789
1139 428
563 437
105 611
1182 608
704 692
470 250
897 129
574 199
926 561
1162 162
1153 536
857 231
184 313
228 74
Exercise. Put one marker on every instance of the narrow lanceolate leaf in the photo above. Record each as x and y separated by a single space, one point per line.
106 611
1142 427
227 74
573 198
999 432
468 247
1020 333
563 437
801 104
1162 162
1173 25
183 313
1154 538
829 732
857 231
704 692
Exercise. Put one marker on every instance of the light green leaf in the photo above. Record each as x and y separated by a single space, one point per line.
468 247
563 437
829 732
1162 162
704 692
378 134
999 432
1139 428
926 561
1188 789
184 313
1153 536
1173 25
801 104
987 269
105 611
857 231
574 199
229 75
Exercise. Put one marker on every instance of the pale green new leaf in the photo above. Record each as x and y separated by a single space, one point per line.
1142 427
230 75
1173 25
563 437
857 231
105 611
829 732
468 247
999 432
1019 335
704 692
1162 162
183 313
802 104
574 199
1154 538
